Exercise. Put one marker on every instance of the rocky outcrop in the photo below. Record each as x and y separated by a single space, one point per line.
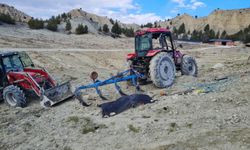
17 15
94 21
231 21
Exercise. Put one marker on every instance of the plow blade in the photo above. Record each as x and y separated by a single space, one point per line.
57 94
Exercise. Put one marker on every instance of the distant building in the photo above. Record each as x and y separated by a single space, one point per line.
224 42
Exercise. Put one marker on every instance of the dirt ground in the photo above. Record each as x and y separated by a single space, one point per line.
213 116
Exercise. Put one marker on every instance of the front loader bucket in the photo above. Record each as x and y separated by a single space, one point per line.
57 94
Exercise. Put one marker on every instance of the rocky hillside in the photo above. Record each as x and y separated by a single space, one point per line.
231 21
14 13
94 22
78 16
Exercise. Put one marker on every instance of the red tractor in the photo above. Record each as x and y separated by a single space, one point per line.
157 57
19 77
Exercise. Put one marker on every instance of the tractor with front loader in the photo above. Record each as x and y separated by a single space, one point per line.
157 58
20 78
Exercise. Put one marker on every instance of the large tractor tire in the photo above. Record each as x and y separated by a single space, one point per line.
189 66
162 70
14 96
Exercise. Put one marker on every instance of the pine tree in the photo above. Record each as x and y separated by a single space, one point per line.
200 36
217 35
6 18
223 35
81 29
68 26
206 28
105 28
35 24
149 25
52 26
194 36
182 29
64 16
86 29
111 21
128 32
211 34
175 31
116 29
155 24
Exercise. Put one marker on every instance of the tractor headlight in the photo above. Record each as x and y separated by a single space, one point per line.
8 77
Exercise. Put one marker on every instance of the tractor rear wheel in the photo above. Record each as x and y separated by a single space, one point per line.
162 70
14 96
189 66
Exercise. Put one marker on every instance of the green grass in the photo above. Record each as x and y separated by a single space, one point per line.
74 119
67 148
189 125
133 129
90 126
173 127
88 129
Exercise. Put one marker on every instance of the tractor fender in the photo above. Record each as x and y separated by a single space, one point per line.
152 53
131 56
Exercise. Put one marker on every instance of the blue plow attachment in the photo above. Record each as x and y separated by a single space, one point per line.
128 75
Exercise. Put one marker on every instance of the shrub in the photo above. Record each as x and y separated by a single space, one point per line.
74 119
128 32
52 26
105 28
6 18
36 24
81 29
148 25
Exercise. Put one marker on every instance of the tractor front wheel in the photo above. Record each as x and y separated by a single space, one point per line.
14 96
189 66
162 70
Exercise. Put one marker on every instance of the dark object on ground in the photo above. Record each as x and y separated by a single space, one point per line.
124 103
221 78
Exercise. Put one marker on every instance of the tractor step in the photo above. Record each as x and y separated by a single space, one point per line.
57 94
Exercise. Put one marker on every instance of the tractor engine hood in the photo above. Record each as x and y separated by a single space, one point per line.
37 77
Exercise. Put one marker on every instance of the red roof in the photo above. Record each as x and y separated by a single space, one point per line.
151 30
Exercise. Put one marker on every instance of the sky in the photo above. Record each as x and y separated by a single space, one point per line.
127 11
